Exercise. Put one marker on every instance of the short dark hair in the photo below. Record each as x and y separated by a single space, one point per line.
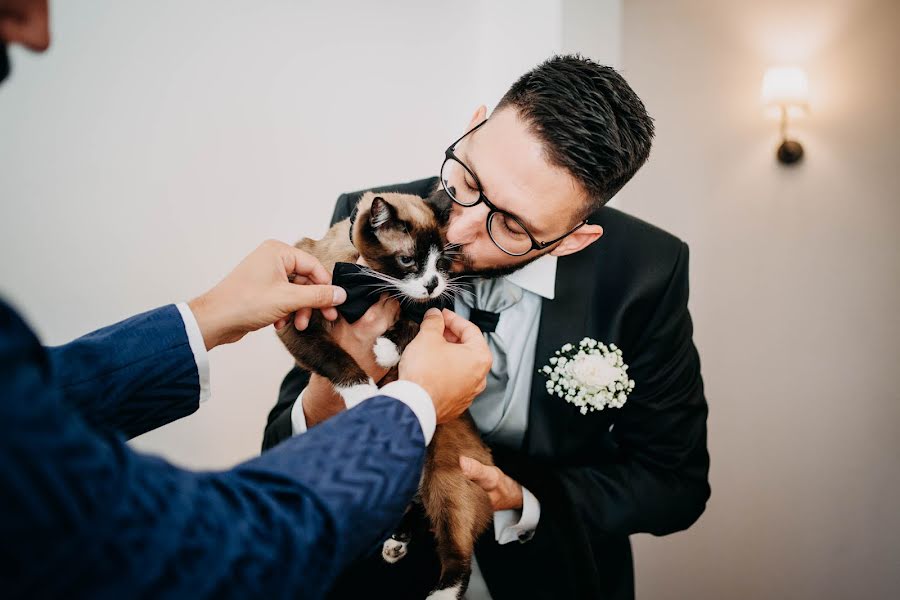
589 119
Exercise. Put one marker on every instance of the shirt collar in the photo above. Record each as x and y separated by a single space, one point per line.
538 277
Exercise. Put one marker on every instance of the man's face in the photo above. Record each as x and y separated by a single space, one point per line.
516 177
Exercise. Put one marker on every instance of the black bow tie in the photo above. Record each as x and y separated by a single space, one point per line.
485 320
364 289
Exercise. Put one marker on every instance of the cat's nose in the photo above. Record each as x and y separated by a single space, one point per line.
431 284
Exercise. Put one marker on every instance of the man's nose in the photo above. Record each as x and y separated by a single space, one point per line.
466 223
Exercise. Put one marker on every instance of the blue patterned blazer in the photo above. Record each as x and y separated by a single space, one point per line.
82 515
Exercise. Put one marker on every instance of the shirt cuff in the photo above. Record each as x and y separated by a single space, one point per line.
198 347
518 525
298 419
407 392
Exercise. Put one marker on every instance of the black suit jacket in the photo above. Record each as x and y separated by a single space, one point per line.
603 476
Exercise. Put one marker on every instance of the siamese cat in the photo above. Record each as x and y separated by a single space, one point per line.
401 239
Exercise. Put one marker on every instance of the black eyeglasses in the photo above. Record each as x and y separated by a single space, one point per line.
505 229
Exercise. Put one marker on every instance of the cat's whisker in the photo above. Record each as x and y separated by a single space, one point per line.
379 285
381 276
457 281
446 295
457 286
465 293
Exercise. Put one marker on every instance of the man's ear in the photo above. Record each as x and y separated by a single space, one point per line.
583 237
479 115
381 212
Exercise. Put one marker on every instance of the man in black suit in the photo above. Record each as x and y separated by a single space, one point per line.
529 187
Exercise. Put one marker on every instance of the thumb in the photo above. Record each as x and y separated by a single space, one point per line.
314 296
433 323
477 472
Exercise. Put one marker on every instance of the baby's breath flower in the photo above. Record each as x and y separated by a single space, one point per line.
590 376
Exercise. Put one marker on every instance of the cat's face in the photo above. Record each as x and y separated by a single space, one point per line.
401 236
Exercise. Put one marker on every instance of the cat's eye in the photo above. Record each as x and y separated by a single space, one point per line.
406 261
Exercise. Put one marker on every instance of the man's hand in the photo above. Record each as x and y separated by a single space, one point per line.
450 360
359 338
271 283
504 492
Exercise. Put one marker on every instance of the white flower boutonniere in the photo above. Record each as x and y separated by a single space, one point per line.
591 376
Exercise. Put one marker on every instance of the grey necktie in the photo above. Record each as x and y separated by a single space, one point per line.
493 295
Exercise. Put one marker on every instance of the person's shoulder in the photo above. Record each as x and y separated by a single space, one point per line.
633 263
18 342
625 230
636 245
419 187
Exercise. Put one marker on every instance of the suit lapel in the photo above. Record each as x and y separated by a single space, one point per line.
563 319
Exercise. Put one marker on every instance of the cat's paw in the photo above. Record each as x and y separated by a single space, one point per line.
354 394
450 593
393 550
386 353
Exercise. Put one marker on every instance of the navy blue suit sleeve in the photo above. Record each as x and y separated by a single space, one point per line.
130 377
83 515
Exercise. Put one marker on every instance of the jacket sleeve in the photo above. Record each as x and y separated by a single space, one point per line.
81 514
659 483
278 425
130 377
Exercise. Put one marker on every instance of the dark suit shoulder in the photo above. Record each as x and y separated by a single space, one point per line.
636 246
419 187
346 202
637 273
638 231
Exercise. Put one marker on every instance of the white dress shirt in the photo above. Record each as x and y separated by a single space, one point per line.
198 347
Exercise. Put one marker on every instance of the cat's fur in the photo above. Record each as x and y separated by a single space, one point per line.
386 227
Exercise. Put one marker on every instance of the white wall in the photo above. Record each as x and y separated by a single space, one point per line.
158 142
795 279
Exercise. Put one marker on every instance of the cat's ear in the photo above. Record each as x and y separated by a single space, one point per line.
441 205
381 212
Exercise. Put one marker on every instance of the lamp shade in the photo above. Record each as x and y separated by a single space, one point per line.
785 86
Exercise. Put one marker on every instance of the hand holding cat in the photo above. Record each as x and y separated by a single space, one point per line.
504 492
358 338
450 359
271 283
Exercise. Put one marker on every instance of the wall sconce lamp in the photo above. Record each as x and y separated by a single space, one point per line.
785 92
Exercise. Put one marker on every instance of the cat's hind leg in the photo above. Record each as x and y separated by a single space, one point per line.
458 513
397 546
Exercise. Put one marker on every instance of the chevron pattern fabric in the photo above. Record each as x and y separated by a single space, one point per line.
84 516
